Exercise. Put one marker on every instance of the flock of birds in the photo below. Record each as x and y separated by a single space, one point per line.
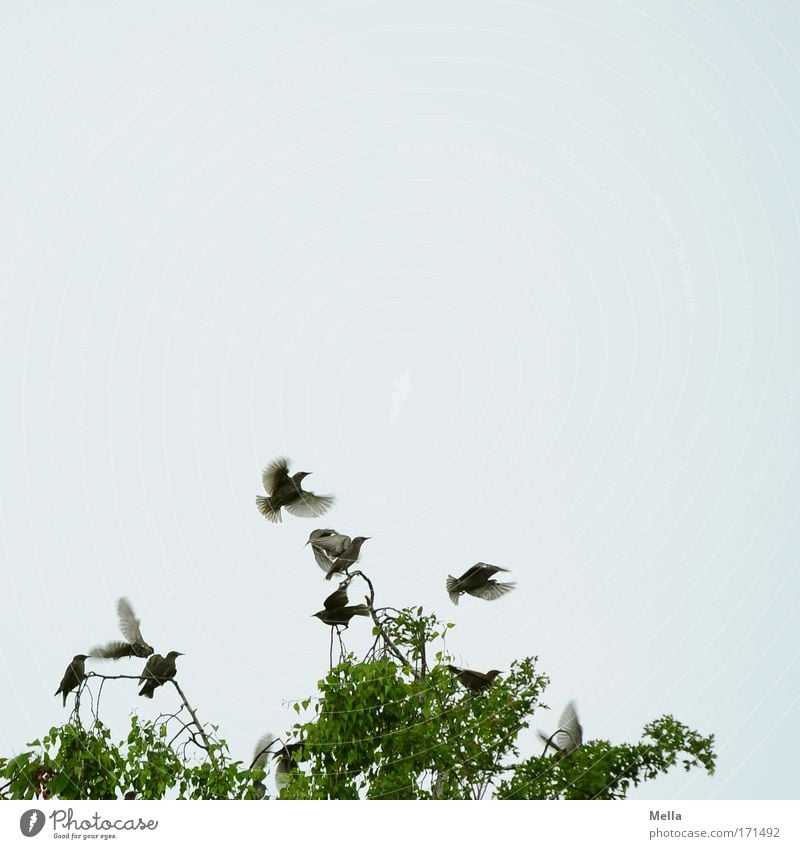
157 670
335 553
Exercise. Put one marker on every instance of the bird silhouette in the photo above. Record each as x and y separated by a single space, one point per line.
336 610
285 491
327 544
477 581
475 682
134 645
347 558
157 671
337 599
569 734
76 672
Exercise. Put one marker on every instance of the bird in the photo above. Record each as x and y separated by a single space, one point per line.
286 762
475 682
569 734
336 599
336 610
134 645
347 558
477 581
285 491
260 762
157 671
327 544
76 672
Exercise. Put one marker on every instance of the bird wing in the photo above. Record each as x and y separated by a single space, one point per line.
128 623
309 505
570 733
320 533
487 569
72 678
491 590
336 599
333 543
260 752
275 474
150 667
112 651
323 561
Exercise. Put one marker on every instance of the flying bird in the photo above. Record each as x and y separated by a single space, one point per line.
347 558
285 491
260 762
76 672
569 735
327 544
336 610
134 645
157 671
286 762
477 581
475 682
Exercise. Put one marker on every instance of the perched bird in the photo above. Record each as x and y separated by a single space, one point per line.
336 599
157 671
569 735
337 612
134 645
327 544
76 672
477 581
475 682
347 558
285 491
260 762
286 762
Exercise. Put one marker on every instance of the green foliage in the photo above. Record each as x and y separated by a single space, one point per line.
396 724
600 770
76 762
382 728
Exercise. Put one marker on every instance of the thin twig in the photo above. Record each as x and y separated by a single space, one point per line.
379 625
199 727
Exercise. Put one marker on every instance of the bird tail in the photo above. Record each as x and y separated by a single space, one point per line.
549 742
266 509
147 691
341 571
358 610
452 589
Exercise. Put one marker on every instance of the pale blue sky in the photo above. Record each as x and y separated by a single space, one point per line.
516 281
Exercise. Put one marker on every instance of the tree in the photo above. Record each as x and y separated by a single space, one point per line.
394 724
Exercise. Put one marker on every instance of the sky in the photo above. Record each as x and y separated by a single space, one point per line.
514 280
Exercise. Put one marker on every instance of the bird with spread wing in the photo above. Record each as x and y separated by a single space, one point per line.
286 491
